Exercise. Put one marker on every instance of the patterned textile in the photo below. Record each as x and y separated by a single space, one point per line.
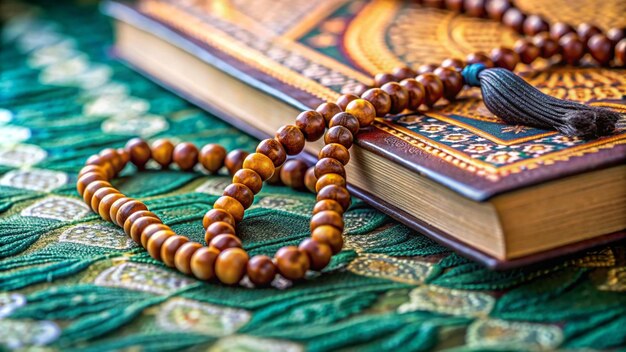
70 281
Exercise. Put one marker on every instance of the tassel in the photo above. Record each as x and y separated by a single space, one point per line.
516 102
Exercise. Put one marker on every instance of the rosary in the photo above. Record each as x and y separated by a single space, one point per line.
505 94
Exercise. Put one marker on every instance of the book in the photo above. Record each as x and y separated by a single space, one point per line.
500 194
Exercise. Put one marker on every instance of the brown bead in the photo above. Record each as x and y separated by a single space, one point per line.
231 205
234 160
275 179
273 150
616 34
345 99
587 30
600 48
433 86
336 193
401 73
426 68
105 165
312 124
162 150
139 152
480 58
91 189
86 179
99 195
93 168
240 192
203 263
130 220
435 4
115 209
379 99
559 29
212 157
340 135
505 58
139 226
357 89
105 204
416 93
260 164
310 179
534 24
292 263
230 266
111 155
548 47
217 215
475 8
329 179
218 228
335 151
456 64
620 52
329 166
327 204
291 138
182 257
363 110
452 82
327 217
526 50
329 235
185 156
381 79
292 173
156 241
572 48
346 120
399 97
319 253
328 110
261 270
150 230
495 9
124 156
514 19
127 209
250 179
454 5
224 241
170 247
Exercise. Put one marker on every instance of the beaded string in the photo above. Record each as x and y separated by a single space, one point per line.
223 257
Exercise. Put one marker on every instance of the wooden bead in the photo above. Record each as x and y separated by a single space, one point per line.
273 150
231 205
329 235
399 97
291 138
327 217
292 173
203 263
260 164
182 258
454 5
534 24
139 152
346 120
426 68
111 155
327 204
620 52
345 99
224 241
479 58
416 93
212 157
86 179
454 63
329 179
356 89
363 110
379 99
475 8
217 215
156 241
452 82
526 50
312 124
335 151
572 48
240 192
185 156
124 156
99 195
433 86
319 253
292 263
548 47
587 30
336 193
340 135
130 220
329 166
230 266
93 168
105 205
381 79
234 160
261 270
514 19
150 230
401 73
170 247
162 151
127 209
216 229
616 34
328 110
600 48
495 9
139 226
310 179
91 189
107 168
559 29
250 179
115 209
505 58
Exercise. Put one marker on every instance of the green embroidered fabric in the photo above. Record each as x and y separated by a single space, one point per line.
70 281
